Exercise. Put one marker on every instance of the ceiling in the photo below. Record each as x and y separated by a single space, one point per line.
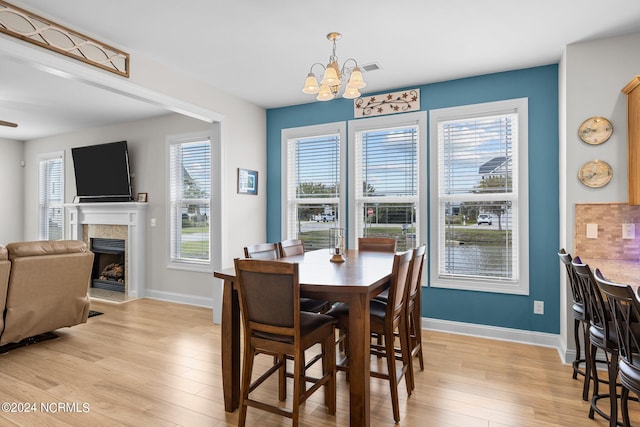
261 50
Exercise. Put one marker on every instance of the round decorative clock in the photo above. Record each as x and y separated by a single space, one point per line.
595 130
595 174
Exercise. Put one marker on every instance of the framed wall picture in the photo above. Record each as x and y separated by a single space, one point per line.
142 198
247 181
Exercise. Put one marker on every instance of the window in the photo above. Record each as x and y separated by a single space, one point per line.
387 177
479 207
51 196
313 184
190 201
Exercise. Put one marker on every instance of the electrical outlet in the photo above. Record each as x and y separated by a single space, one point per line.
592 231
628 231
538 307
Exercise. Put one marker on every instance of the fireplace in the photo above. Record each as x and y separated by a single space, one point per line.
108 264
124 221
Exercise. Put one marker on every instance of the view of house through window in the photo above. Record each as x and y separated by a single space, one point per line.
51 197
190 200
312 188
478 222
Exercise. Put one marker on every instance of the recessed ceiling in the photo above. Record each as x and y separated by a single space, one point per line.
261 51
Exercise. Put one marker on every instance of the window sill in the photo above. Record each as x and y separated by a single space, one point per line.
478 285
194 267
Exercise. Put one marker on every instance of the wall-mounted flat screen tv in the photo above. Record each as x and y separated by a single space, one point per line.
102 172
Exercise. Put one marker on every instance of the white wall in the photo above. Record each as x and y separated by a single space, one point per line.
11 191
593 74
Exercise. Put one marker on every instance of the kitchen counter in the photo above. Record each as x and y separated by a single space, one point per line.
625 272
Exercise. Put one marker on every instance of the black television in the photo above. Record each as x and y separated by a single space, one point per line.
102 172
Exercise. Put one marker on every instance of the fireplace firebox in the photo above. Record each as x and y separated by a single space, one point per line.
108 264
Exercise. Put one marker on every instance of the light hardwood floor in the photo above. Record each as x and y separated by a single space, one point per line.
153 363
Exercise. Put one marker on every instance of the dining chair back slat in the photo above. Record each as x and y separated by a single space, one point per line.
291 247
377 244
264 251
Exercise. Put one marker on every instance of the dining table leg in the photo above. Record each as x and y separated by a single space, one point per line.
230 346
359 360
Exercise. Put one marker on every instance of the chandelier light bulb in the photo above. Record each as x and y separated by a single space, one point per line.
331 77
324 94
311 84
351 93
356 80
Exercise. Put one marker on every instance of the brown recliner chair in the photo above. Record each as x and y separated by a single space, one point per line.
48 286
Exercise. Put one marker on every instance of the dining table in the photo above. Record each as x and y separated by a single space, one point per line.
362 276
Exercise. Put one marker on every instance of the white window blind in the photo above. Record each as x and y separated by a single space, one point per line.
386 184
51 197
479 217
313 189
190 201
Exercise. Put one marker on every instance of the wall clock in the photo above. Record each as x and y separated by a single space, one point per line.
595 130
595 174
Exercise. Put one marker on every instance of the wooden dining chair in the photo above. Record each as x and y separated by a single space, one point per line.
291 247
264 251
386 319
414 310
580 322
602 336
294 247
269 295
625 309
377 244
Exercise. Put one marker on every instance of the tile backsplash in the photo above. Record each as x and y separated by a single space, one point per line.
609 243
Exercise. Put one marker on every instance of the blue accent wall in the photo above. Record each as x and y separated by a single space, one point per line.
540 86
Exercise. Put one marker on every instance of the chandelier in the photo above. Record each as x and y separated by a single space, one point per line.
333 77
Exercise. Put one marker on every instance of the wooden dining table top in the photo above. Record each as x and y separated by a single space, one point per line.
360 271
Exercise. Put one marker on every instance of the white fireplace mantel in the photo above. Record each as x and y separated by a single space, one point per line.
130 214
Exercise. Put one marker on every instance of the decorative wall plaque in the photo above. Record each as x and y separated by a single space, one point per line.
595 130
389 103
595 174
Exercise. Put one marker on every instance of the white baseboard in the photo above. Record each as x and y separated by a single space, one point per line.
179 298
499 333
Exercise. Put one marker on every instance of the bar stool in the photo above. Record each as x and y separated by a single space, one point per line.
603 336
625 308
579 320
